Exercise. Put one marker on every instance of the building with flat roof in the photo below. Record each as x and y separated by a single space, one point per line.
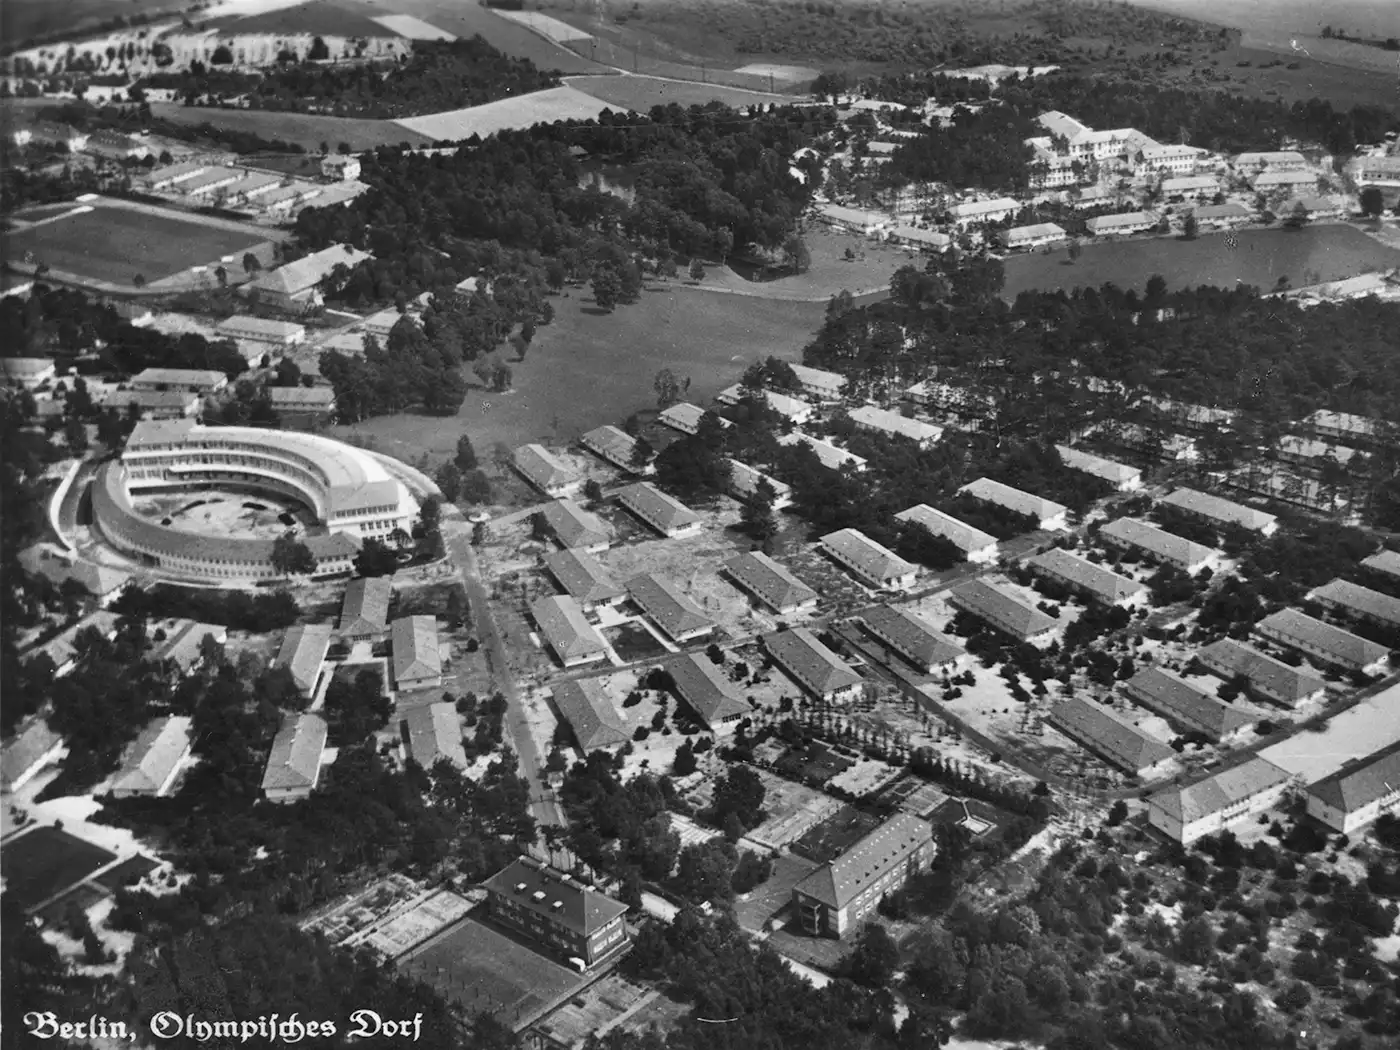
434 733
1188 813
303 653
417 656
364 610
883 421
562 624
1188 708
261 330
151 761
1125 223
584 578
977 546
576 528
617 447
567 918
815 667
1160 546
663 512
546 471
27 753
584 705
1122 477
1047 514
1219 511
196 380
1357 602
1036 235
744 481
828 455
1266 677
845 891
1358 793
1110 736
771 583
294 764
1001 609
707 691
294 285
914 638
669 608
874 565
1322 641
28 373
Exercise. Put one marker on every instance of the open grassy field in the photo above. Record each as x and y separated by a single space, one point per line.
307 130
589 368
114 244
44 861
316 17
1257 257
522 111
467 19
30 18
641 93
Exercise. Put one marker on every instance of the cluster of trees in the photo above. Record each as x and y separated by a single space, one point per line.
408 371
984 148
236 610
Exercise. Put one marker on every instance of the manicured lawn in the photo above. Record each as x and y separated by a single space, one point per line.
114 244
641 93
589 368
44 861
127 872
1254 257
632 642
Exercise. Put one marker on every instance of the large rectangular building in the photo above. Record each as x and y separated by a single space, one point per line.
574 640
303 653
818 383
1122 477
1358 603
583 703
262 331
294 764
1125 223
977 546
576 528
364 611
152 760
434 733
1358 793
1001 609
883 421
874 565
1185 706
835 898
702 684
544 470
744 481
296 285
1220 512
1159 546
679 617
572 921
914 638
154 404
617 447
1383 563
1047 514
584 578
1088 580
1272 679
1322 641
195 380
417 657
1110 736
815 667
663 512
686 418
1188 813
828 455
771 583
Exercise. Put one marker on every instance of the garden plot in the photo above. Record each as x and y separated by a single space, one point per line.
690 832
866 777
399 933
841 593
793 810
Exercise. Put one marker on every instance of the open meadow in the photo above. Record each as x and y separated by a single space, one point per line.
1312 255
641 93
25 19
522 111
307 130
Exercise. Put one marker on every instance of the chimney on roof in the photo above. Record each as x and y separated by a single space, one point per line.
520 887
556 905
538 895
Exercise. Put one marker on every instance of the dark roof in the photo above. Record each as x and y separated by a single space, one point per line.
1267 675
656 508
799 649
839 881
583 576
575 527
1359 599
912 635
415 645
1180 701
563 625
1361 781
584 704
295 760
1119 741
1344 647
581 909
664 602
365 608
1205 797
703 685
1104 584
991 603
769 580
435 732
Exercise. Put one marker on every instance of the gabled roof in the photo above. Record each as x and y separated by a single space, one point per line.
365 607
1386 562
744 481
581 909
769 580
196 377
566 630
971 209
542 468
1110 222
1115 739
820 668
876 561
1158 542
435 732
1228 210
1035 231
295 759
1096 466
1179 700
611 443
1346 423
293 396
1361 781
575 527
1346 648
1309 448
1226 788
153 755
584 704
911 634
583 576
151 400
301 276
60 648
703 685
841 880
25 749
685 416
303 652
664 602
945 526
885 421
657 508
1012 499
1269 676
1219 510
999 606
1359 599
415 647
1103 584
819 378
829 455
242 324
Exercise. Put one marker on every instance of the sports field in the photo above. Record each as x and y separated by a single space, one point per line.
483 970
113 244
44 861
1312 255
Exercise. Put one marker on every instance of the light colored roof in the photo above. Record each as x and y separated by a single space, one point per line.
574 526
820 668
60 648
1220 510
435 732
1116 739
921 236
960 534
1278 156
584 704
1062 124
972 209
1226 788
365 607
1104 584
745 479
1189 182
25 366
150 399
1228 210
180 377
566 630
25 749
583 576
212 177
875 560
1310 448
610 442
295 760
883 419
241 324
415 646
665 603
1035 231
1347 648
1096 466
656 507
1269 676
852 216
1109 222
841 880
1359 599
828 455
1361 781
997 605
818 377
685 416
1346 423
98 580
912 635
303 275
582 909
1012 499
1169 149
293 396
153 755
303 652
769 580
704 686
542 467
1158 542
1284 178
1178 699
1386 562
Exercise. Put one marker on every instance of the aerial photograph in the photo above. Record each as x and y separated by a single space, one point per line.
700 524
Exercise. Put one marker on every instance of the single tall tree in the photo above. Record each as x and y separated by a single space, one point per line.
291 557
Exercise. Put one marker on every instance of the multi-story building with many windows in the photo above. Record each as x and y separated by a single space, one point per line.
841 894
572 921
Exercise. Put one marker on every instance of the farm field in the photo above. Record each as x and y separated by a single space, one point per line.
614 357
353 18
307 130
44 861
522 111
30 18
1258 257
641 93
113 243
